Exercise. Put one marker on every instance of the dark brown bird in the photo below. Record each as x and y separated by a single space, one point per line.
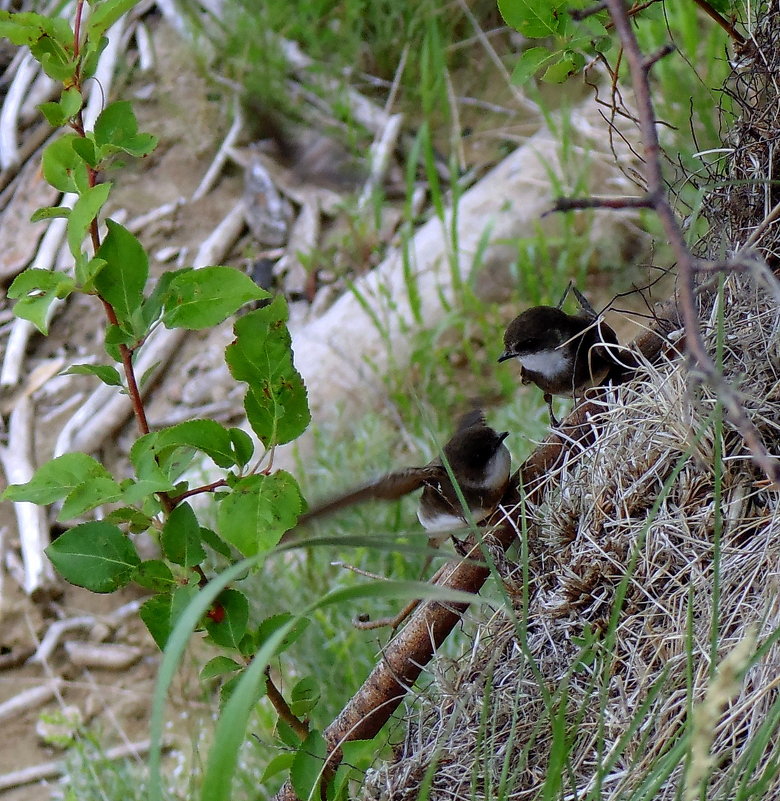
561 353
479 461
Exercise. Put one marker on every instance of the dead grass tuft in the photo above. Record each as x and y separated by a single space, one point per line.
653 555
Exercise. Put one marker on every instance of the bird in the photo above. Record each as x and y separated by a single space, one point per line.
561 353
475 457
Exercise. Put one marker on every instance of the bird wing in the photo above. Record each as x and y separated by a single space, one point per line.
389 487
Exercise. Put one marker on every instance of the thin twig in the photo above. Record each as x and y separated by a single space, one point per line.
572 203
282 708
721 20
687 283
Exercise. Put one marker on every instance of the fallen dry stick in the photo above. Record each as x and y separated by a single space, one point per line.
49 770
406 656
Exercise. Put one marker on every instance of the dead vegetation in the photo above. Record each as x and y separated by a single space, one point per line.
652 557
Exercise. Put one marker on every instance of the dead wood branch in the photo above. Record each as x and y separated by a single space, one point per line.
50 770
407 655
18 464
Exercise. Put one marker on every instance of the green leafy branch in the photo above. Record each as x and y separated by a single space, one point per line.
572 33
254 506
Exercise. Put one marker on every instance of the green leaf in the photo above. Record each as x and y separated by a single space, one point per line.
535 19
570 63
261 356
121 282
58 113
71 101
307 766
156 615
243 446
304 696
54 61
62 167
531 61
135 519
258 511
49 212
95 555
154 575
233 608
218 666
53 113
27 28
116 129
181 537
151 477
35 291
90 56
279 764
116 336
203 298
272 624
107 374
84 211
85 148
207 436
211 538
162 612
93 492
182 597
76 477
86 270
50 40
105 14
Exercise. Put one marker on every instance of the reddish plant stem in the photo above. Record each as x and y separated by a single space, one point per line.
177 499
77 34
94 232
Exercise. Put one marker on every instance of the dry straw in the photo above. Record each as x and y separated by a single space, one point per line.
653 555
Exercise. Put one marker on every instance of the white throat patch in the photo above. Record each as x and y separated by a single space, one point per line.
549 363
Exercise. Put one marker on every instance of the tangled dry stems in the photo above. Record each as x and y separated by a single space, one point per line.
617 512
652 556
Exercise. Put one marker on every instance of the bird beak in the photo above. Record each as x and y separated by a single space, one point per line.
503 435
506 355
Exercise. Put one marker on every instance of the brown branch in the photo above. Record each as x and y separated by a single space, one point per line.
658 55
283 710
722 21
406 655
697 350
177 499
579 14
572 203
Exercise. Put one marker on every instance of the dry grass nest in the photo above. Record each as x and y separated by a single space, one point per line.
637 653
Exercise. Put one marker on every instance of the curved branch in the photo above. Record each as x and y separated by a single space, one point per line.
406 655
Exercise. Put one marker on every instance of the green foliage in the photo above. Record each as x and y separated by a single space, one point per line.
197 299
255 508
569 43
275 401
96 555
180 537
307 766
259 510
35 291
